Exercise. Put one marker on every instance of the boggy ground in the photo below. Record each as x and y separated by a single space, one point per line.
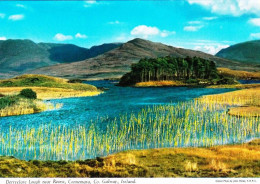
218 161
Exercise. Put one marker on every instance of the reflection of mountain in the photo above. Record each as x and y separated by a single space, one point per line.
22 55
118 61
247 52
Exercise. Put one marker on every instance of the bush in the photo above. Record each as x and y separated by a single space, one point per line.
28 93
75 81
226 80
7 101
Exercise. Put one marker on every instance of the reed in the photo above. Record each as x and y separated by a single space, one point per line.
185 124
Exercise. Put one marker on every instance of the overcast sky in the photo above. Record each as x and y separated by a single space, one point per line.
206 25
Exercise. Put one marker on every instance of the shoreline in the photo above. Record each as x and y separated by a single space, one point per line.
43 93
238 160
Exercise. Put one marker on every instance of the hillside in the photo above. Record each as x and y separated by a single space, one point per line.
18 56
115 63
46 87
247 52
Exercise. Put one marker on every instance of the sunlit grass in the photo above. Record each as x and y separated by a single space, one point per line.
27 106
159 83
186 124
239 74
49 93
219 161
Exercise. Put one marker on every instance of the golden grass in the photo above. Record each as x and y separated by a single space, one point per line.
244 111
238 86
25 106
249 97
49 93
218 161
159 83
239 74
248 101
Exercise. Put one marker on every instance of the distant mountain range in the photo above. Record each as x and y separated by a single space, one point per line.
104 61
115 63
19 56
246 52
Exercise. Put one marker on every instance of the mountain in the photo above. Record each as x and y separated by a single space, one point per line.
19 56
247 52
115 63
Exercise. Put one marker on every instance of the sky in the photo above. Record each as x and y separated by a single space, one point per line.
205 25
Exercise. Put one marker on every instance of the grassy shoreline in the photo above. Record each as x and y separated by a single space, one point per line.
46 87
240 160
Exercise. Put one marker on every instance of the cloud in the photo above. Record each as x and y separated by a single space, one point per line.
20 5
255 21
230 7
194 22
192 28
211 49
114 22
82 36
209 18
62 37
2 38
16 17
2 15
89 3
255 35
147 31
166 33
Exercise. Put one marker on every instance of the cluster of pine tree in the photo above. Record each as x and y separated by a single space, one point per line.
171 68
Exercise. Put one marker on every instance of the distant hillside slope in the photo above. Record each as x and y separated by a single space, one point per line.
115 63
247 52
18 56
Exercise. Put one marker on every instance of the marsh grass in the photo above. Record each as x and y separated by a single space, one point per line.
166 162
239 74
185 124
159 83
46 87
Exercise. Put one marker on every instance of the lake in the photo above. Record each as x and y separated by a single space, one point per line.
123 118
117 100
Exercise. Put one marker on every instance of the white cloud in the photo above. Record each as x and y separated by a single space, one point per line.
16 17
211 49
90 3
166 33
146 31
255 21
230 7
194 22
192 28
82 36
255 35
2 15
2 38
20 5
209 18
114 22
62 37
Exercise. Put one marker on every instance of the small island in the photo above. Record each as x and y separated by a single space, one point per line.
172 71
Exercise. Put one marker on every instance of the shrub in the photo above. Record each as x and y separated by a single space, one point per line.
75 81
28 93
7 101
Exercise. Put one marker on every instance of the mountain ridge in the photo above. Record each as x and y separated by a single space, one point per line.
18 56
115 63
245 52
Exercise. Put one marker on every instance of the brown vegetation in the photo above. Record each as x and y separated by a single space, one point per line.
219 161
239 74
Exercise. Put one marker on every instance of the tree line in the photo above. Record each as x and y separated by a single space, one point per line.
170 68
